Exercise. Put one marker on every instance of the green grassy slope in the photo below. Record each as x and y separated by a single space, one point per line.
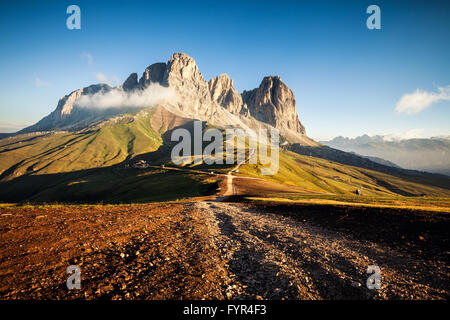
439 204
320 175
71 151
88 166
107 185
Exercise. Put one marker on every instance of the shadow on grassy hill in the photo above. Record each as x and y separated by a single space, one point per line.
113 185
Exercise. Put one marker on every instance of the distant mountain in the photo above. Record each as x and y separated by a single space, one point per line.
381 161
5 135
431 155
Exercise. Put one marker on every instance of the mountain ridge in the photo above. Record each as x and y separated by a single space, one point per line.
72 141
272 104
423 154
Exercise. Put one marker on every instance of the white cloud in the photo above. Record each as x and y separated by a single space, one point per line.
41 83
114 81
153 95
88 57
415 102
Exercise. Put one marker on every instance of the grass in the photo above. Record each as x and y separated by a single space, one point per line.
108 185
439 204
72 151
323 176
87 166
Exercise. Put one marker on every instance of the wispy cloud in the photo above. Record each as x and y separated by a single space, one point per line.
117 98
415 102
410 134
114 81
88 57
41 83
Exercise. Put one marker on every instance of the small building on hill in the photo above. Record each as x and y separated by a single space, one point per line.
141 164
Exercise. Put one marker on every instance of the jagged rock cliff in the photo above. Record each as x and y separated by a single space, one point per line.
153 73
217 101
131 83
223 91
182 74
274 103
193 96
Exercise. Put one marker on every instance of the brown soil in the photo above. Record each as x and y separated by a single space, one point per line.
216 250
163 120
152 251
322 252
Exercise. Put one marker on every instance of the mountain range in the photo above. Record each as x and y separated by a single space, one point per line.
431 154
272 104
79 151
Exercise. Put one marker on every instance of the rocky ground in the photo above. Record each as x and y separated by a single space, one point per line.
154 251
207 249
277 256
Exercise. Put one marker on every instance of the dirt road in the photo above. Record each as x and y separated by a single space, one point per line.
275 257
205 250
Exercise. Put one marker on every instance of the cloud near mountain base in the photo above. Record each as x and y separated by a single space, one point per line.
153 95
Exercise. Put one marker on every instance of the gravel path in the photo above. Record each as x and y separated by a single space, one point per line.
218 250
271 256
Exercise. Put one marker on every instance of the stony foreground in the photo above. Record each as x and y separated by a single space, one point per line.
215 250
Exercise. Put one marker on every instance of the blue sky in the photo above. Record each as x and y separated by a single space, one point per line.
347 79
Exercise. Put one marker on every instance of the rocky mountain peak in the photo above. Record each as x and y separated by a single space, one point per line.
182 68
224 80
183 76
223 92
182 59
179 69
131 83
154 73
274 103
216 101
